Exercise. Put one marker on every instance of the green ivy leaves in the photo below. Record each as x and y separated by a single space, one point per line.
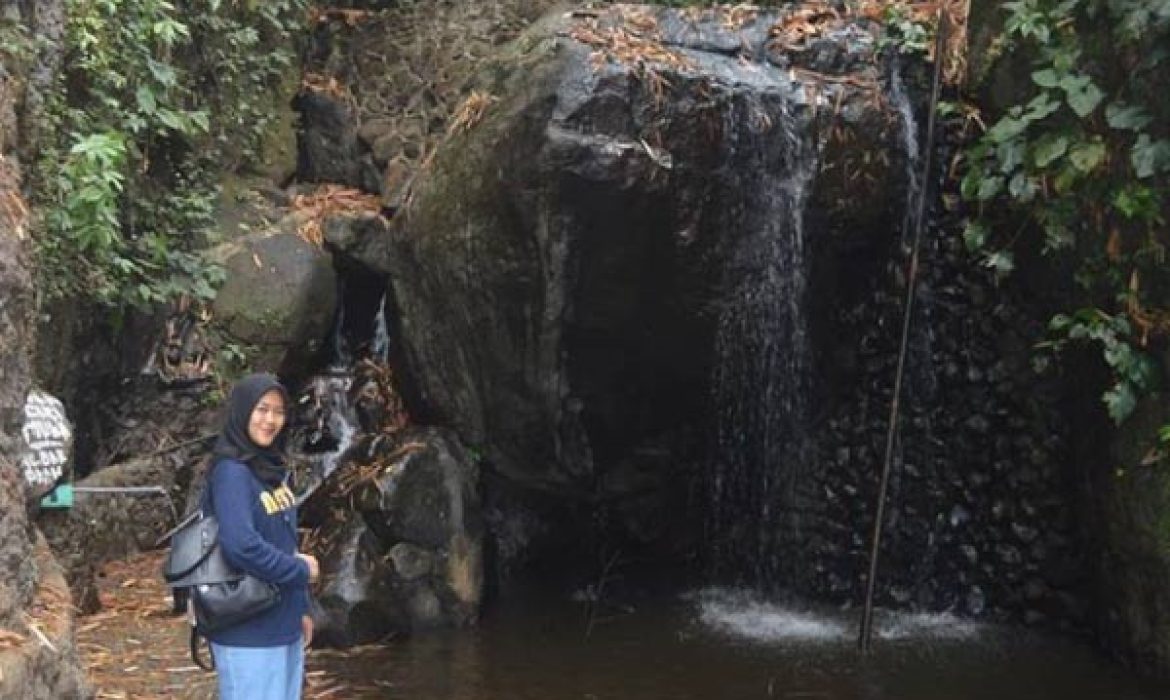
1150 157
1083 162
1135 372
158 99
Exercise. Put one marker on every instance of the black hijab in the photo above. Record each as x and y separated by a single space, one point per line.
267 463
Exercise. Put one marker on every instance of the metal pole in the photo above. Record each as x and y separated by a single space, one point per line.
132 491
866 633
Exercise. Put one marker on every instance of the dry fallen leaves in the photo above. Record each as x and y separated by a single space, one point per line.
13 210
11 640
352 18
136 649
326 201
327 84
471 111
626 36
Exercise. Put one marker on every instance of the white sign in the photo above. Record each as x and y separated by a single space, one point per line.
48 438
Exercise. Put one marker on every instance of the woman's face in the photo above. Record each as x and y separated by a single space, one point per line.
267 419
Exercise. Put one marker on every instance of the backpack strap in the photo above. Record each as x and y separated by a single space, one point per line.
194 644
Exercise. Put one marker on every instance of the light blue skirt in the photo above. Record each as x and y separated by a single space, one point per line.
260 673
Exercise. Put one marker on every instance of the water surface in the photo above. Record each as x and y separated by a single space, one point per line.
720 644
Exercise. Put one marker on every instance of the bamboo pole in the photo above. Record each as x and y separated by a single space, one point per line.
866 633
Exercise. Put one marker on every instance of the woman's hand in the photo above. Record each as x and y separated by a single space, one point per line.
314 569
307 630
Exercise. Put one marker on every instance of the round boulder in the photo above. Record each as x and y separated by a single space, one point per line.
279 297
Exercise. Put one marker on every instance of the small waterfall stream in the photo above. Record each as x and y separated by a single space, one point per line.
380 349
762 368
330 404
765 484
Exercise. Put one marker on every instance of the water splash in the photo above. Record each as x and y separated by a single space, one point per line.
740 614
743 614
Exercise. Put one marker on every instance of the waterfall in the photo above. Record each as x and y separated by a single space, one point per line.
380 348
908 131
328 403
762 366
332 420
923 377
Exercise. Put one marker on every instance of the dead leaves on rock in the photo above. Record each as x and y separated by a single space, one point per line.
377 390
730 17
626 35
351 18
470 112
11 640
808 21
327 84
326 201
14 212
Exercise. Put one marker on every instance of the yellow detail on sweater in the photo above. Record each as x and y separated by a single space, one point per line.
278 499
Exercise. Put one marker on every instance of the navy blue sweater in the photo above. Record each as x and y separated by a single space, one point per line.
258 534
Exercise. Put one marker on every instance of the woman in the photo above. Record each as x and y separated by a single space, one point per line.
262 658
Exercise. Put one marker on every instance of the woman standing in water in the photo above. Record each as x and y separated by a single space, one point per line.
261 658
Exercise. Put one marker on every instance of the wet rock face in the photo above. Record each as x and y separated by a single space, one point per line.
556 276
567 282
328 149
400 538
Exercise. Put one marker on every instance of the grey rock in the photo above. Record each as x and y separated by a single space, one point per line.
279 296
411 562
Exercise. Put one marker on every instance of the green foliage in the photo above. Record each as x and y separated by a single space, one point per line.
1135 372
16 46
156 101
903 32
1082 161
233 359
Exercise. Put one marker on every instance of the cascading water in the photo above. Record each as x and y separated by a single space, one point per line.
380 346
762 355
332 420
330 401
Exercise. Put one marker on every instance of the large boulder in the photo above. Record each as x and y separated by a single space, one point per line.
328 148
400 538
278 298
559 275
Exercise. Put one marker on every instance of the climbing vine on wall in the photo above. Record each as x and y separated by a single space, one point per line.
1082 162
155 101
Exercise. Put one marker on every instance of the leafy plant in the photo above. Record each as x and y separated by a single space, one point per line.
903 31
156 101
1081 161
